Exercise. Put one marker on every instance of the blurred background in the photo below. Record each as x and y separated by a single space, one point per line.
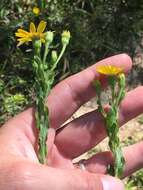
99 28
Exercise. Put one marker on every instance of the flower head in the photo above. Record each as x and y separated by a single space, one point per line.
49 36
36 11
33 34
66 37
109 69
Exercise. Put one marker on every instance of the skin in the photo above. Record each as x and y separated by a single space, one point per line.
19 166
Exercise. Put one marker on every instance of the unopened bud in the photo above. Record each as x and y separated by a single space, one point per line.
37 45
122 80
54 56
18 98
49 36
36 11
65 37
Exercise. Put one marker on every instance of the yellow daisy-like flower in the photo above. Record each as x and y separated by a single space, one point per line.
36 11
109 69
24 36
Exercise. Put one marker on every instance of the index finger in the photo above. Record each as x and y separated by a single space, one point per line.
74 91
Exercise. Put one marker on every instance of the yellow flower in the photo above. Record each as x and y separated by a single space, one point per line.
24 36
36 11
66 37
109 69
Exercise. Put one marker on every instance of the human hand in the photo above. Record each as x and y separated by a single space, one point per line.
19 166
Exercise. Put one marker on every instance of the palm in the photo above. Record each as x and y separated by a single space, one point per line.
19 143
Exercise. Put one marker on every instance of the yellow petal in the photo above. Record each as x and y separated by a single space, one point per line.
24 39
21 35
32 27
109 69
41 26
22 31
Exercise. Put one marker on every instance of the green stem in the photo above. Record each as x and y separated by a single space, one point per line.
46 52
114 143
113 130
41 4
120 96
41 113
42 121
44 79
59 58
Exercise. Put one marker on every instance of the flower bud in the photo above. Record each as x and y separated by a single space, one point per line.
37 45
18 98
65 37
36 11
49 36
122 80
54 56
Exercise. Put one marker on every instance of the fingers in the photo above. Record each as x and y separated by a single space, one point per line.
38 177
133 160
85 132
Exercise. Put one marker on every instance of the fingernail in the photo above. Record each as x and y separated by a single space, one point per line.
112 183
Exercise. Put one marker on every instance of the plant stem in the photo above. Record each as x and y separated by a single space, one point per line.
41 3
41 113
42 121
111 121
46 52
113 129
114 142
60 56
44 79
